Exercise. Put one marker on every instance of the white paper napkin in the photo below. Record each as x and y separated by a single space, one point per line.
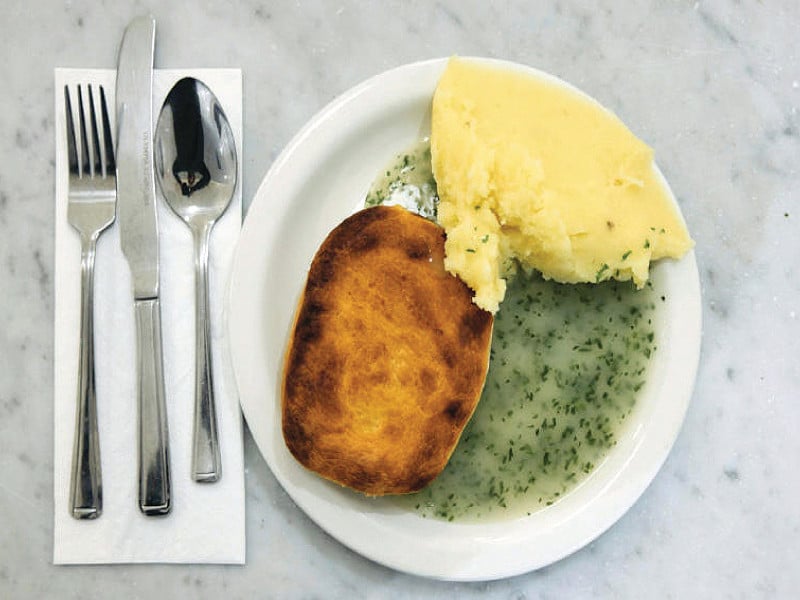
207 521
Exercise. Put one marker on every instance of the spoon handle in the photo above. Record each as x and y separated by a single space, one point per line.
206 463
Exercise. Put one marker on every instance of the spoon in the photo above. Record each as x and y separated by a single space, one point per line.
196 168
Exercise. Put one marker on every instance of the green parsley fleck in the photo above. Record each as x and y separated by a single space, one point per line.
600 273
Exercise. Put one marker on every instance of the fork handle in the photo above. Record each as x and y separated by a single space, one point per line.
154 470
86 488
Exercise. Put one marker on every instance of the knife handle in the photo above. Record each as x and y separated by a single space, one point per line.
154 471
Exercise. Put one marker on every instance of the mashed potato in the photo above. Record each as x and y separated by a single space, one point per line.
531 173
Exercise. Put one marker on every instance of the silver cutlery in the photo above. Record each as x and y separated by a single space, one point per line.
196 168
91 209
138 228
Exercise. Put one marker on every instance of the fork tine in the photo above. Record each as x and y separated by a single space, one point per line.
72 151
111 164
85 166
98 159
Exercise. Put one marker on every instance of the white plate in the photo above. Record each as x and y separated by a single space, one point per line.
320 178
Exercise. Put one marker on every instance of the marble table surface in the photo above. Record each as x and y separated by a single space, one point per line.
713 86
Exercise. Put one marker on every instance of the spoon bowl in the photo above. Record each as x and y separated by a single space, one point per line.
195 151
196 169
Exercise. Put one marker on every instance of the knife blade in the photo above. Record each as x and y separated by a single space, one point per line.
138 226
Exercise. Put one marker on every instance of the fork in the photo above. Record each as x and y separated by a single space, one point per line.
91 209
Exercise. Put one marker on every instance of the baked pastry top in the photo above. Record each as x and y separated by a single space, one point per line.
387 358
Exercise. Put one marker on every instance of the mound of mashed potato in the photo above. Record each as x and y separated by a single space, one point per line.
531 173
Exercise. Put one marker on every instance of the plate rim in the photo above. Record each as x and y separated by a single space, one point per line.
477 572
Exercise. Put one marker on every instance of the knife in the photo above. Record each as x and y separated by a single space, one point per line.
138 226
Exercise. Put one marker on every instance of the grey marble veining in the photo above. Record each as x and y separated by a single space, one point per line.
713 86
